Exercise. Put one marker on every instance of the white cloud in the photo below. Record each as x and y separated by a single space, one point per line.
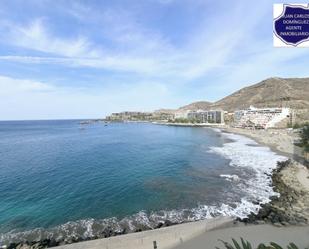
117 63
10 85
137 49
80 52
35 36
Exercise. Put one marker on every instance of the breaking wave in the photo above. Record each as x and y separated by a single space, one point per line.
260 159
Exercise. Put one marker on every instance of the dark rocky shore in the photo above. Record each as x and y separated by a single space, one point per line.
291 207
107 232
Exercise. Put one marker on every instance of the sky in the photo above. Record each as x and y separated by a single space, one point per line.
62 59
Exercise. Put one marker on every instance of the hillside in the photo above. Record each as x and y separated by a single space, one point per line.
269 92
272 92
199 105
165 111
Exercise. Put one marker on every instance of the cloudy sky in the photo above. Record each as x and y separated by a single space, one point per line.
85 59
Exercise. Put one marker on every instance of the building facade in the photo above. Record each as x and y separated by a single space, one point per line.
202 116
261 118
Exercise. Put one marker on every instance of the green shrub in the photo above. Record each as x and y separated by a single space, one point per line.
181 120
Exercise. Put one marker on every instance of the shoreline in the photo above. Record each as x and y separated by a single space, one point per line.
189 124
190 230
261 227
167 237
281 141
290 179
292 206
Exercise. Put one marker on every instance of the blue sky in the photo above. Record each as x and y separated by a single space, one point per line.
85 59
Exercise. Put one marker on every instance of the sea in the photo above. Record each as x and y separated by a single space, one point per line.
63 180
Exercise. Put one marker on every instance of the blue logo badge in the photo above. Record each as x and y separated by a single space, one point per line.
292 26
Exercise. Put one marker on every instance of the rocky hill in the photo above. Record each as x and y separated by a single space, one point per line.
272 92
171 111
199 105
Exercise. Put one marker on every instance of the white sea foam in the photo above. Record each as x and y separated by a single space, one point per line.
258 158
230 177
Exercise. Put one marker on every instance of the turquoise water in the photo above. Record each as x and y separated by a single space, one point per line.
59 172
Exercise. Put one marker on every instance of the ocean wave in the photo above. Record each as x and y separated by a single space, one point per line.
230 177
260 159
240 152
99 228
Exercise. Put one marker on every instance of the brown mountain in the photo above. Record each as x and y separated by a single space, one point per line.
272 92
199 105
165 111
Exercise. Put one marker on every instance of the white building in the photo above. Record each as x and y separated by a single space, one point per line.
203 116
181 114
260 117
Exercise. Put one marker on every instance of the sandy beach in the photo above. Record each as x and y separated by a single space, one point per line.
280 140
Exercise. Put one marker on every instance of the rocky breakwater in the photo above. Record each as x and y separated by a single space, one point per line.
292 206
44 242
